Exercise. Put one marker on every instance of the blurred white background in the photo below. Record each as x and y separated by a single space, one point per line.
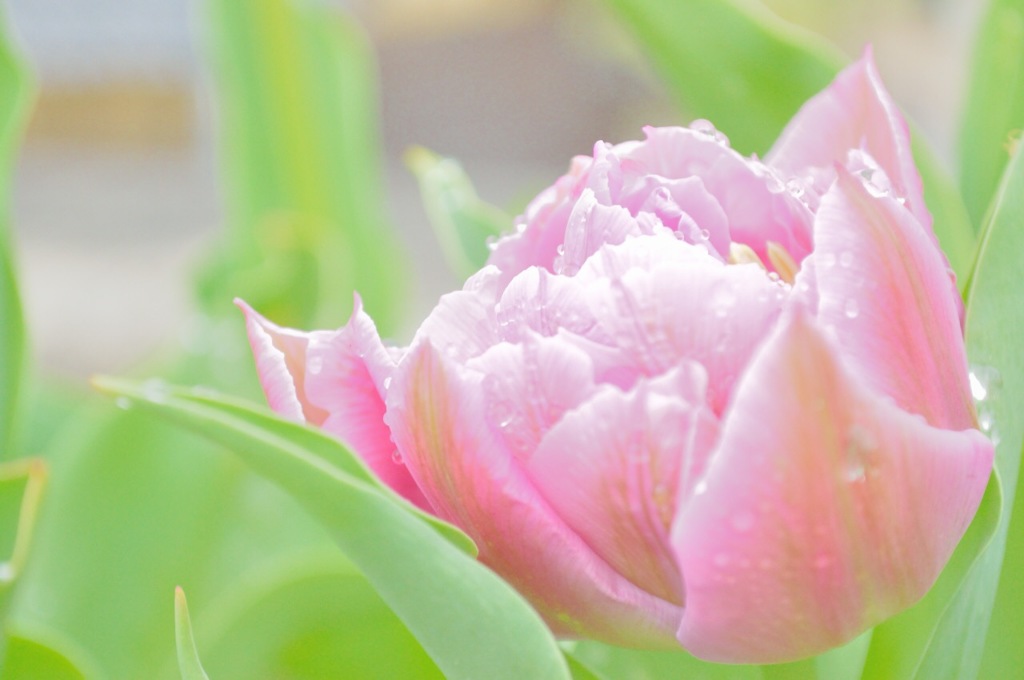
116 189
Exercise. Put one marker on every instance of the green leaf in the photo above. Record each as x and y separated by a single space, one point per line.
747 71
188 656
994 105
21 491
995 316
15 92
464 224
34 652
732 62
634 664
297 107
470 622
308 617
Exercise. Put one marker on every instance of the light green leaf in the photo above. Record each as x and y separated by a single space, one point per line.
15 93
21 491
309 617
297 107
470 622
188 656
732 62
995 316
994 105
35 652
464 224
634 664
747 71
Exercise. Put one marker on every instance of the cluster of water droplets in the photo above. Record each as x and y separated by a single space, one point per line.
985 383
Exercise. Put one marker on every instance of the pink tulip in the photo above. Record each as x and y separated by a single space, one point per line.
695 398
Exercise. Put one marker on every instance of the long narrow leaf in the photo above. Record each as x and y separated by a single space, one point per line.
469 621
994 111
188 656
297 103
15 92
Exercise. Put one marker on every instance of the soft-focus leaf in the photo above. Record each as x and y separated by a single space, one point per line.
994 105
21 491
633 664
995 317
310 617
188 656
297 107
747 71
732 62
469 621
15 92
43 654
463 223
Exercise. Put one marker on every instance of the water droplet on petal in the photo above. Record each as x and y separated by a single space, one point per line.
315 365
851 309
396 457
387 383
743 521
845 259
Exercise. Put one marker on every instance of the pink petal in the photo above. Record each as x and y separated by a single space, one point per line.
528 386
884 287
347 374
616 468
854 112
438 416
464 323
661 301
824 510
280 355
758 207
590 226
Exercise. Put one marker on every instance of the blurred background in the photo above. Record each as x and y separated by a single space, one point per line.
117 193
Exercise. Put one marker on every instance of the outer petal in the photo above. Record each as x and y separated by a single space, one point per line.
280 355
616 468
884 287
347 373
854 112
824 510
438 415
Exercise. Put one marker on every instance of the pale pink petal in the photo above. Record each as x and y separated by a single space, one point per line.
884 287
757 205
544 303
347 374
437 411
854 112
464 323
590 226
280 355
617 467
825 509
541 230
685 206
685 306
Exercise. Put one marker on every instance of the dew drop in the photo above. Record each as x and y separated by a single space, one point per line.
123 403
743 521
396 457
851 309
387 383
6 572
701 488
828 260
156 390
705 234
845 259
315 365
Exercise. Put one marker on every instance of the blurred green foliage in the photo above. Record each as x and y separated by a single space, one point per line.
137 507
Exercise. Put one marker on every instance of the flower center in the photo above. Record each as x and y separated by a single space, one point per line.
782 263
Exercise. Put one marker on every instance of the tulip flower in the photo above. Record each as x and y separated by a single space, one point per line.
695 399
